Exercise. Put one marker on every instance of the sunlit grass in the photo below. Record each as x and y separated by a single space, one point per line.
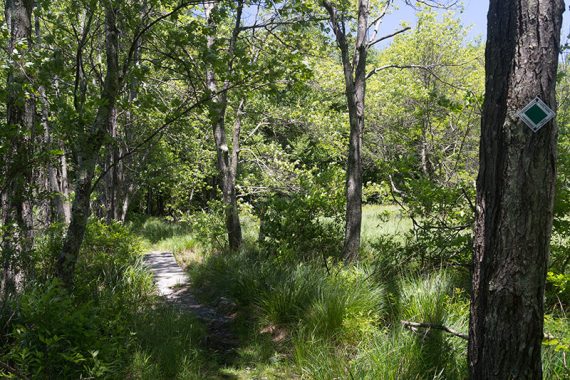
307 321
380 220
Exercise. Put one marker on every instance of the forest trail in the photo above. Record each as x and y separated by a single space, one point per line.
174 286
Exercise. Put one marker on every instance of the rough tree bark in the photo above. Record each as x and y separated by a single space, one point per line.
88 150
515 191
117 184
226 161
20 111
355 89
127 184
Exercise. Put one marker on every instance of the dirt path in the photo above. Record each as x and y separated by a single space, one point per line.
173 284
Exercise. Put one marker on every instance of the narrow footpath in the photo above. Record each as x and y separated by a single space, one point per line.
174 286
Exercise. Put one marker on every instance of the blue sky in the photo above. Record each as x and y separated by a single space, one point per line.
474 14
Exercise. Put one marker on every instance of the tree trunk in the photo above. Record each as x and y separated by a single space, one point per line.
355 85
353 222
117 184
88 154
515 191
63 180
126 184
218 108
20 110
57 204
232 212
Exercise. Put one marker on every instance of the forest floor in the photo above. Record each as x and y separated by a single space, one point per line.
175 288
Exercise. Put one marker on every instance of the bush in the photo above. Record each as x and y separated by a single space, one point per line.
55 334
558 290
208 226
304 224
443 221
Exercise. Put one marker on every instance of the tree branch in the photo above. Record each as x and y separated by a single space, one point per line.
389 36
281 23
414 326
439 4
147 27
168 122
385 67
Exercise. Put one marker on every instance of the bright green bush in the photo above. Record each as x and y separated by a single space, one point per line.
208 226
55 336
558 290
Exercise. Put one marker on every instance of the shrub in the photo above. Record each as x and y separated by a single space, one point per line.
558 290
307 223
55 334
208 226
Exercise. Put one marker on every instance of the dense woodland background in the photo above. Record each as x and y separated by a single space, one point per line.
221 131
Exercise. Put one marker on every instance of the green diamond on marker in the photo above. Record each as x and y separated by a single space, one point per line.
536 114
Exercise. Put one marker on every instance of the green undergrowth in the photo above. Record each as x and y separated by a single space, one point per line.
303 318
337 323
168 346
111 326
315 319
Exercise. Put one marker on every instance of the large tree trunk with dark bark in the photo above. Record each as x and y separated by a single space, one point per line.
515 191
20 110
88 152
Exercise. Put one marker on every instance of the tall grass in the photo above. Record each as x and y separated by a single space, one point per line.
155 229
388 220
167 346
335 322
306 320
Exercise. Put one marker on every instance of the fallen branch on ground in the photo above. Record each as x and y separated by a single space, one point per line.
414 326
13 371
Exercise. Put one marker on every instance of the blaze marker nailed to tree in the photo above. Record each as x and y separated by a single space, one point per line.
515 191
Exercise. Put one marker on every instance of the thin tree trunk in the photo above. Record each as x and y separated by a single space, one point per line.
125 185
88 154
515 191
63 180
232 214
58 208
218 109
355 87
20 110
111 180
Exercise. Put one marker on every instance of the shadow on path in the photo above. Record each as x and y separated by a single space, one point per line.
173 285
